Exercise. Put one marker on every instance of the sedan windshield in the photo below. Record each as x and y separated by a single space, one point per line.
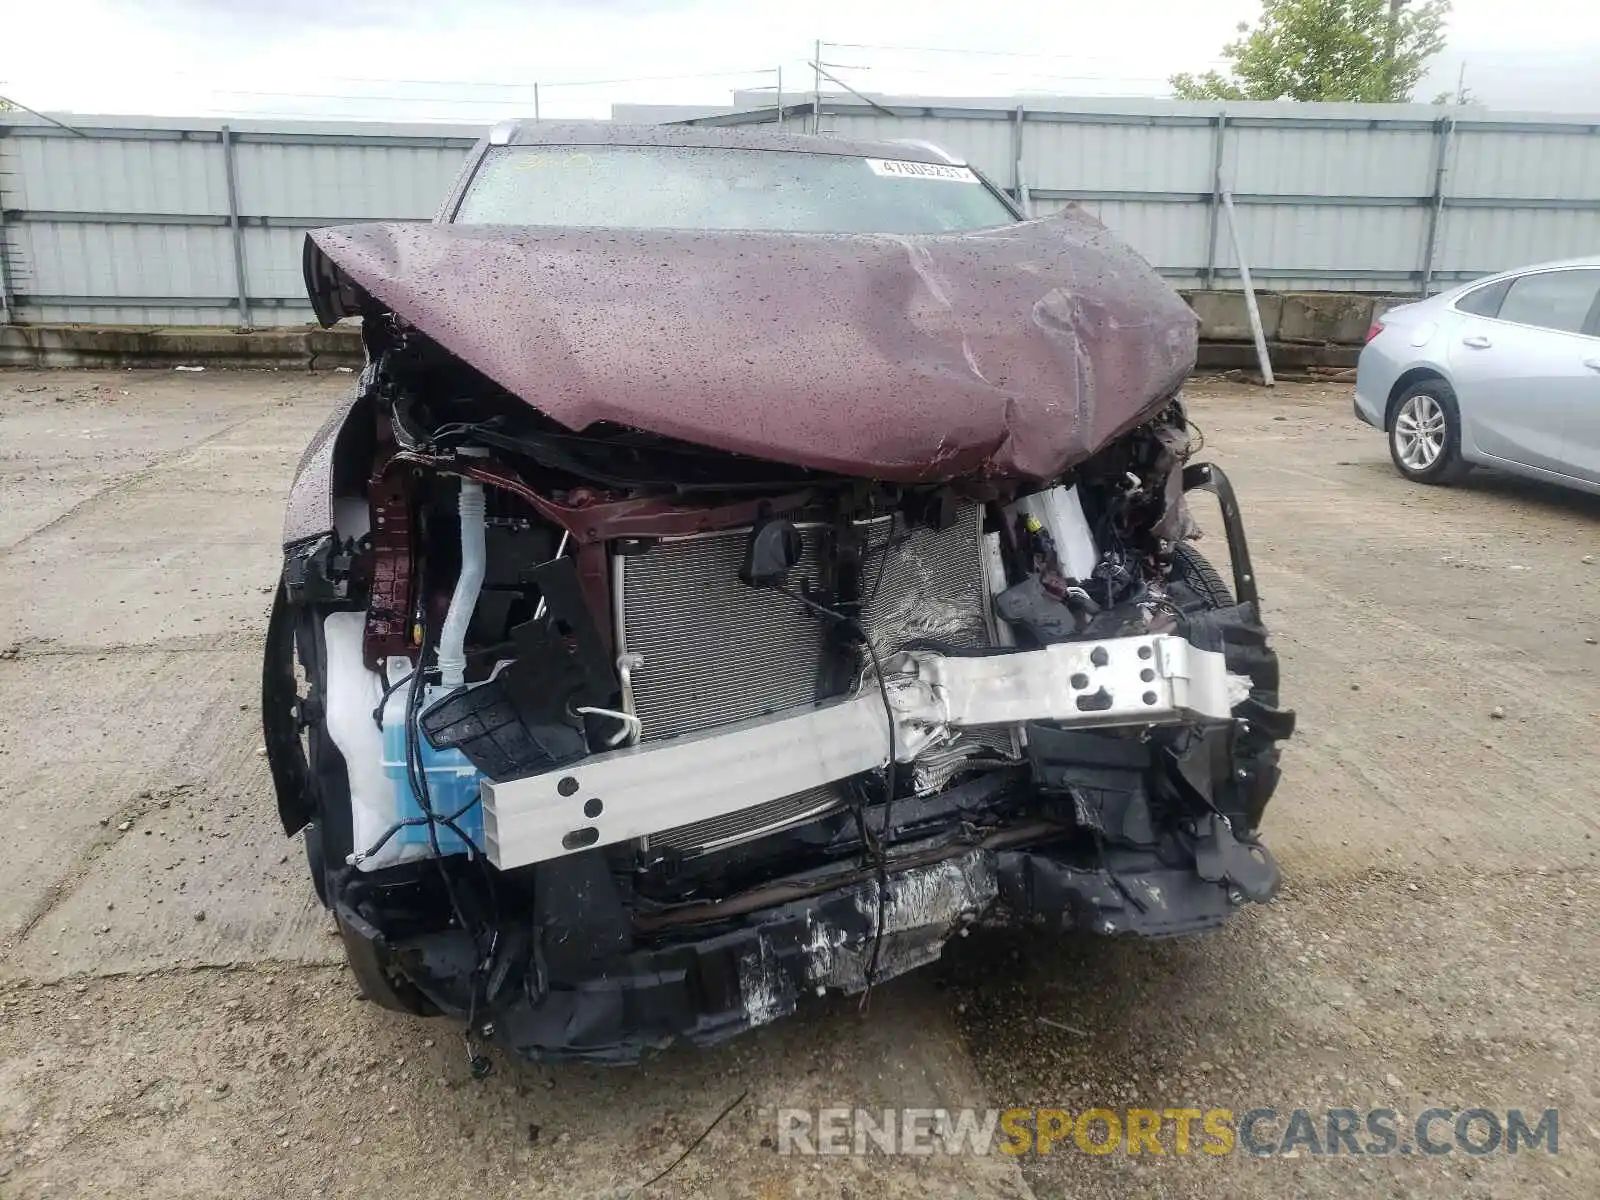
678 187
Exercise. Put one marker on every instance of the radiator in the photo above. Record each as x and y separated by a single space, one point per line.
715 651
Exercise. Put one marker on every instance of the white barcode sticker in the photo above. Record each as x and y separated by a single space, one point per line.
899 169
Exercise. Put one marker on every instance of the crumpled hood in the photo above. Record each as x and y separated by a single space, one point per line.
1013 352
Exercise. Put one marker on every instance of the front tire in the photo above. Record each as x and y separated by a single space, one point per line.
1204 581
1425 434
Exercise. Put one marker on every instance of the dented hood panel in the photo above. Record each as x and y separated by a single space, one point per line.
1015 351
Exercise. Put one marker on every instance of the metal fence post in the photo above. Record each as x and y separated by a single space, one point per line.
1209 276
1016 154
5 254
1445 127
1019 175
237 230
816 90
5 272
1254 311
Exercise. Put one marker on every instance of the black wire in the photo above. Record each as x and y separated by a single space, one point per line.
875 846
383 700
410 822
692 1146
449 822
888 810
883 561
416 775
889 543
877 669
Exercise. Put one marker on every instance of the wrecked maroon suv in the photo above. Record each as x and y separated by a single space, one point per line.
745 562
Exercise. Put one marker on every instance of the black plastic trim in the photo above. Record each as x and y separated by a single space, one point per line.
1210 477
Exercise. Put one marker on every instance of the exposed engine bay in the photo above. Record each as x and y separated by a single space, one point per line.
606 738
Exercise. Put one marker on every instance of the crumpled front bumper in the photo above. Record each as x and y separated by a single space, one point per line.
747 973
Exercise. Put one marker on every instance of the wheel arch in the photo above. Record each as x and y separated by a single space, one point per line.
335 463
1407 378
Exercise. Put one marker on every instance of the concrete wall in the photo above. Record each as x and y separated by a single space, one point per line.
1305 329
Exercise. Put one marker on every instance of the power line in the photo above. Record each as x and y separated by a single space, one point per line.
1012 75
267 114
983 53
528 87
1013 79
762 71
359 98
17 104
470 83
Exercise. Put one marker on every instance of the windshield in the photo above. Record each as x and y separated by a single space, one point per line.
680 187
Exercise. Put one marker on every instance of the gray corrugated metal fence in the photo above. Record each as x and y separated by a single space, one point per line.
171 222
197 223
1336 197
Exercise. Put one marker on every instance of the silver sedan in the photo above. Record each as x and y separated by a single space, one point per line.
1502 372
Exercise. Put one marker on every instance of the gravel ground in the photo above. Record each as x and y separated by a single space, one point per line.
175 1019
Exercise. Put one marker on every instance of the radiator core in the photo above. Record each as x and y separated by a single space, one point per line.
716 651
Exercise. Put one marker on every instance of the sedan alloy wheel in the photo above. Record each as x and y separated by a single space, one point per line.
1419 431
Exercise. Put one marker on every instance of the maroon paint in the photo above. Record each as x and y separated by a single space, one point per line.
388 630
1013 352
648 516
594 583
591 524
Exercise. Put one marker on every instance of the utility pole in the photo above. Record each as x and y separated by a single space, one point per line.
780 95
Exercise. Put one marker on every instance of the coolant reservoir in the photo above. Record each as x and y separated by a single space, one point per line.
452 783
375 758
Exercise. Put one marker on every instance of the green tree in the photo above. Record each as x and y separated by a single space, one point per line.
1369 51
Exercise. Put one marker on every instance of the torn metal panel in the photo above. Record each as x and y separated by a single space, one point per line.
1116 681
925 584
921 911
1024 348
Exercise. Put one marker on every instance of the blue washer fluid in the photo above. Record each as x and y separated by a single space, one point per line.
452 783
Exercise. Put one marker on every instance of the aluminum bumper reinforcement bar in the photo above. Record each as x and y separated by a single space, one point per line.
640 790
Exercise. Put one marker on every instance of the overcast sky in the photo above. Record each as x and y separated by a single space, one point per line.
476 60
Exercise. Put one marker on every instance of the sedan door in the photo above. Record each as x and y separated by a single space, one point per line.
1583 419
1521 373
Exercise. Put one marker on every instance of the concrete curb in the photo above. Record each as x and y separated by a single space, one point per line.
304 347
1304 329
